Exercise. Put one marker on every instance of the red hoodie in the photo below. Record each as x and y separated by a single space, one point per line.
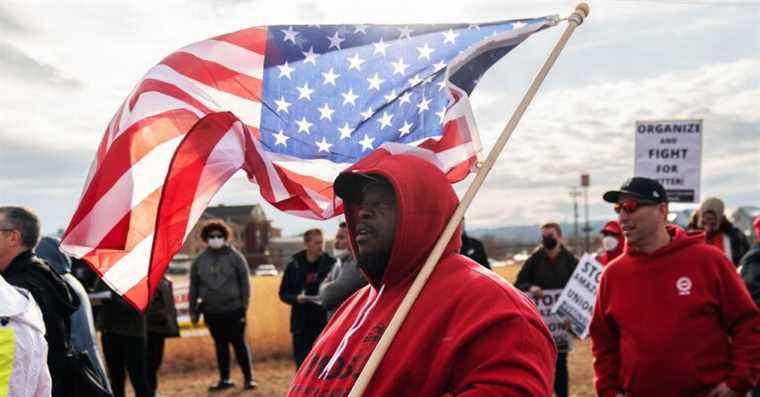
469 332
673 323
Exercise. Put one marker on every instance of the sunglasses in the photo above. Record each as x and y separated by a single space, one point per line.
215 236
631 205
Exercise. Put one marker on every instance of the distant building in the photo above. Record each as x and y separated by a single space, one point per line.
252 232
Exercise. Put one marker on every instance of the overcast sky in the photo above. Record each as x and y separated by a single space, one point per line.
66 66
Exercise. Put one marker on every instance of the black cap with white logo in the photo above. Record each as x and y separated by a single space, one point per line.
639 187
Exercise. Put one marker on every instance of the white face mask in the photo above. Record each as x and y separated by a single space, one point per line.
339 253
216 243
609 243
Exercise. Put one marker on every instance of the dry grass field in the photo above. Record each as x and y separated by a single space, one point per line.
189 364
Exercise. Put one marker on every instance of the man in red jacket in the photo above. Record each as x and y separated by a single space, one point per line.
468 334
672 317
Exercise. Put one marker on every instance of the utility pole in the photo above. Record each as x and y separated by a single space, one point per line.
585 183
575 192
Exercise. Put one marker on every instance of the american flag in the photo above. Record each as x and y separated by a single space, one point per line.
290 105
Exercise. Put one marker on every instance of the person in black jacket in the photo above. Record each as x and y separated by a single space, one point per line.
161 321
19 234
473 249
300 289
550 267
750 272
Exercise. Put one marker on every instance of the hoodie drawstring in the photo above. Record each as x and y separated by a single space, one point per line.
360 319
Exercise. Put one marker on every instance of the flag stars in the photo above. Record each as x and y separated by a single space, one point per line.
345 131
304 125
310 56
335 40
360 28
325 112
439 66
441 85
290 35
330 77
285 70
405 98
305 92
399 67
450 37
423 105
441 114
349 97
406 129
367 143
355 62
323 145
282 104
385 121
405 32
367 114
380 47
281 139
391 96
425 51
415 80
374 82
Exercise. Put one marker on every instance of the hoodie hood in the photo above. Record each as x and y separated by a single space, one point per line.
425 202
49 251
680 239
17 304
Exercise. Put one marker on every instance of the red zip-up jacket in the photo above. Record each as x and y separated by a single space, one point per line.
675 322
469 334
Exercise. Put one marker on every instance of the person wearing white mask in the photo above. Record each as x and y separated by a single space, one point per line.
345 278
612 243
23 348
220 290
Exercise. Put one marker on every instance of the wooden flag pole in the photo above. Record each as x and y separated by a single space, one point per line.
580 13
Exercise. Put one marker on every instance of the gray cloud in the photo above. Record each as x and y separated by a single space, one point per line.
10 24
17 64
27 166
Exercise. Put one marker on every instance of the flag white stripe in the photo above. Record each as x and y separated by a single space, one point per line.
131 268
231 56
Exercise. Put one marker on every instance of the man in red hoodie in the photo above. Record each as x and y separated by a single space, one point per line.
468 334
672 317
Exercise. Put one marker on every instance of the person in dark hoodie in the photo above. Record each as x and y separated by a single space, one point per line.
719 231
19 234
550 267
161 320
300 289
672 317
469 333
220 290
474 249
82 321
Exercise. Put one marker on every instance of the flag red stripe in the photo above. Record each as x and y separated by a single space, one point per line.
128 149
169 89
179 189
215 75
253 39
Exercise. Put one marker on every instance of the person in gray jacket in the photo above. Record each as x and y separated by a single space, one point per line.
82 323
220 290
345 278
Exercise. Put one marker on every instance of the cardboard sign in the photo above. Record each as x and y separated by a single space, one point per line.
182 302
553 321
670 152
576 302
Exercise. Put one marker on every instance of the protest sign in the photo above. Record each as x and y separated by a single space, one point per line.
576 302
553 321
670 152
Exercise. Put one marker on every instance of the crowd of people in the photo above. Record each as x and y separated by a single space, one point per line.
676 311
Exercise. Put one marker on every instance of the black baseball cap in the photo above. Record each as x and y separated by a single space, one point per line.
639 187
349 185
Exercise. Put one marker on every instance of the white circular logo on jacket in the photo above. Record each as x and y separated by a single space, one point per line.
684 286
